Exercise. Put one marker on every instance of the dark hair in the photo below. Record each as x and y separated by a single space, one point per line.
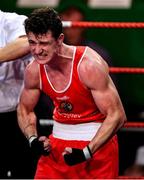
42 20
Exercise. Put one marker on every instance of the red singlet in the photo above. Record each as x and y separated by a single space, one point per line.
75 103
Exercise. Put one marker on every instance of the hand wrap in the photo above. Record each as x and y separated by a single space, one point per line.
77 156
37 146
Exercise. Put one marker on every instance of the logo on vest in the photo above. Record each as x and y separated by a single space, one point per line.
66 106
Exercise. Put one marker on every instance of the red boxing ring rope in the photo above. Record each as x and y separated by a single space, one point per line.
103 24
134 124
131 70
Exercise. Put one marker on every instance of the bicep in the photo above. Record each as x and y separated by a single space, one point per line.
29 98
94 73
107 98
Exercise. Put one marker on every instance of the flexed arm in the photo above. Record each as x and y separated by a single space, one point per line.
27 119
107 100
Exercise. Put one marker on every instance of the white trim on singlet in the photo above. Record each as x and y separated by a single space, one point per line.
68 85
82 57
40 78
83 131
81 61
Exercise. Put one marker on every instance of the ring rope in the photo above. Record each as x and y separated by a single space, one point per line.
126 70
134 124
103 24
49 122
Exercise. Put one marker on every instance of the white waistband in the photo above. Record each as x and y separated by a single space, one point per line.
84 131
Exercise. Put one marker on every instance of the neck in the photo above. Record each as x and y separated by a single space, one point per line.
66 51
62 56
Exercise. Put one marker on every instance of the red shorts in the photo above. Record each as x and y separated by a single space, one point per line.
103 165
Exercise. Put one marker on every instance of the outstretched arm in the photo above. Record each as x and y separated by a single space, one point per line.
15 49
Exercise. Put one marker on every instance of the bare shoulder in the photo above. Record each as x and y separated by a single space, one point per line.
93 68
32 75
93 60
